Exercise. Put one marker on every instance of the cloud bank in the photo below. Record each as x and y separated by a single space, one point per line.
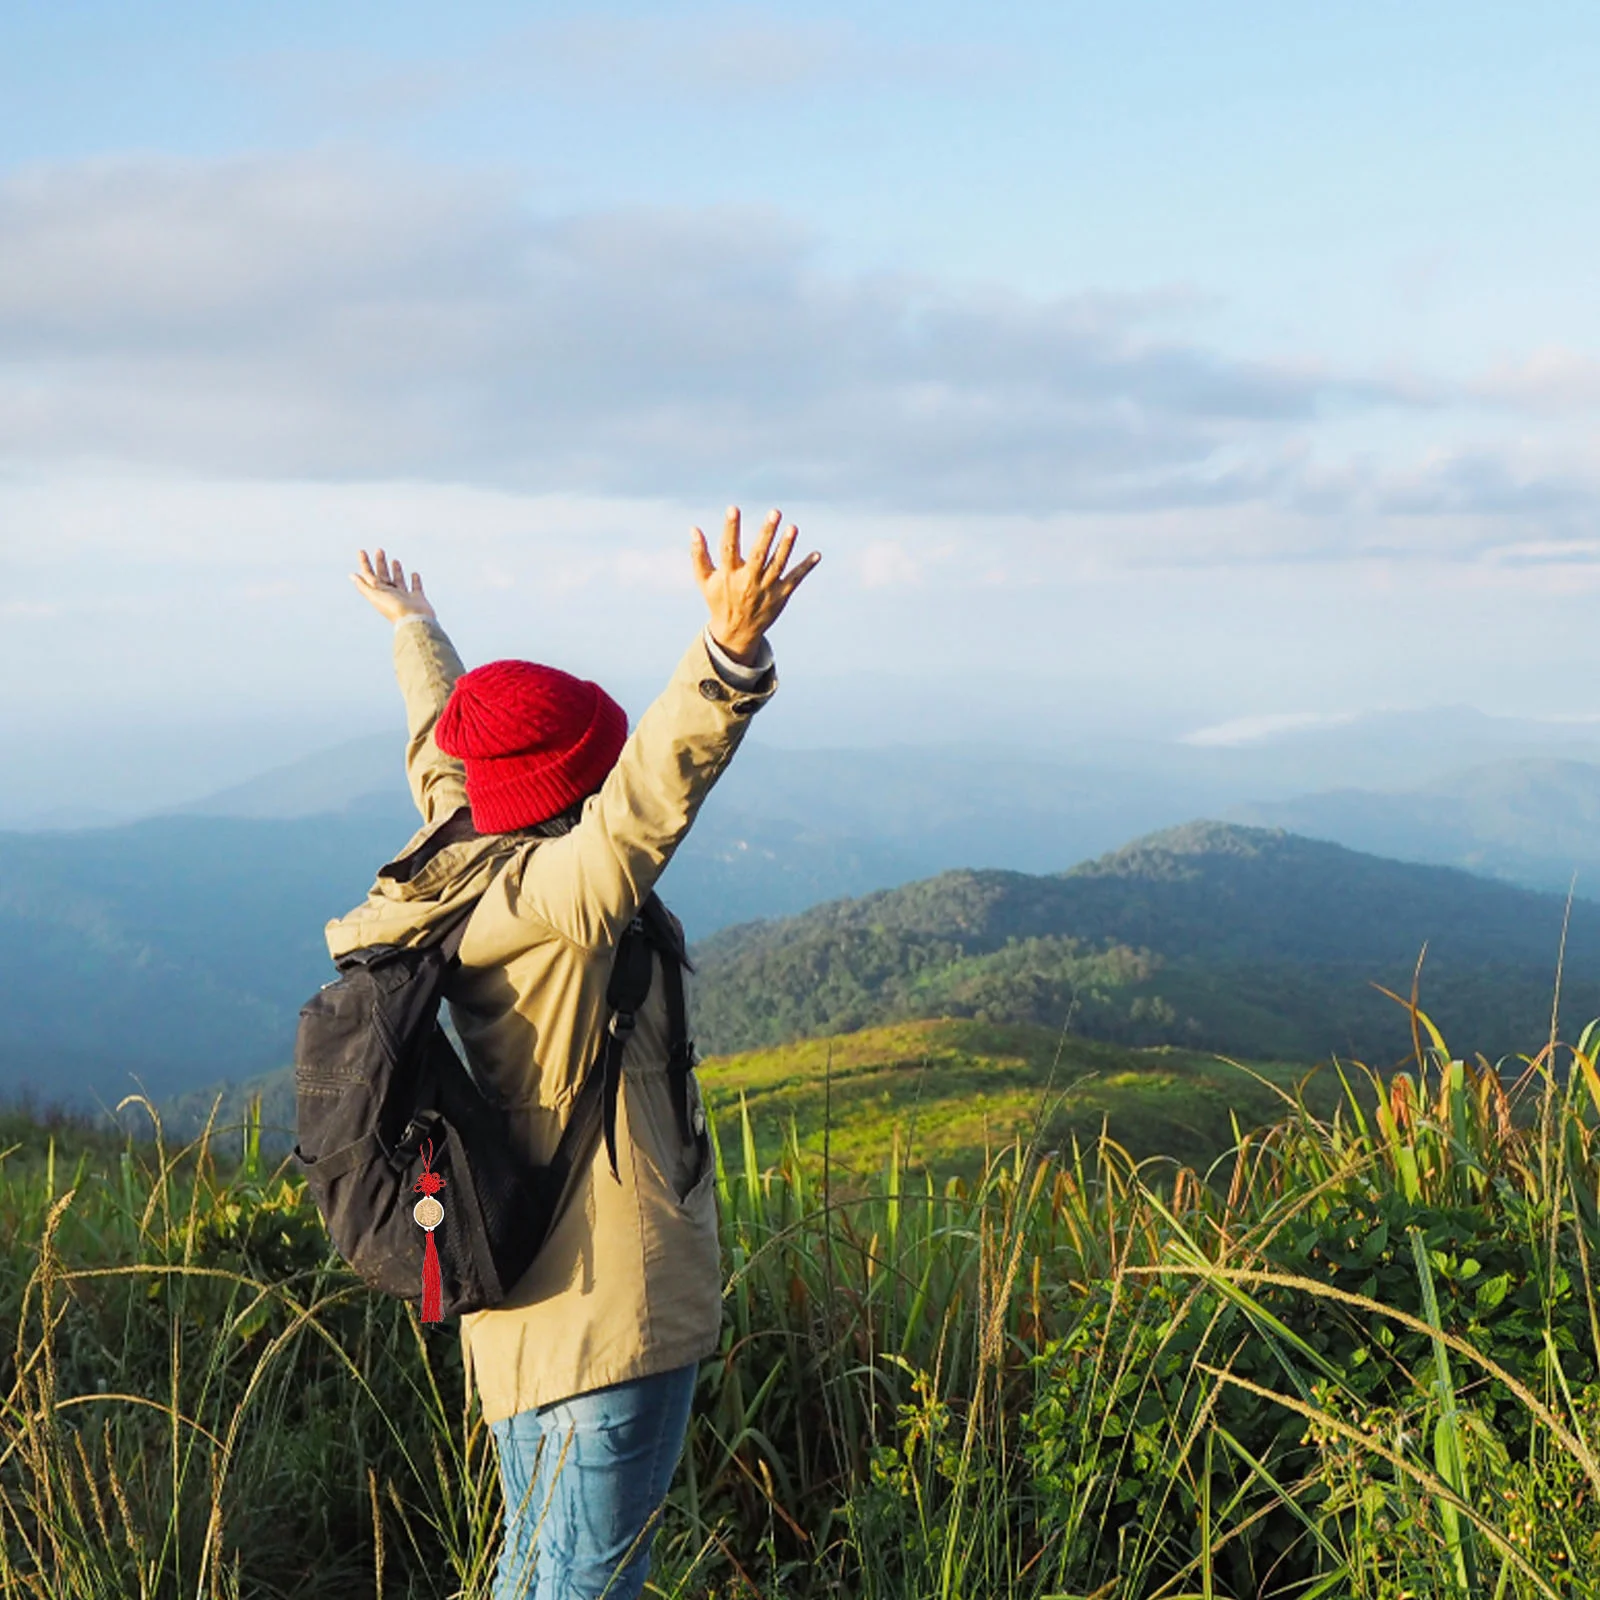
321 319
316 319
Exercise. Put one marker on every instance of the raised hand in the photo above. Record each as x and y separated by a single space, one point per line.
745 597
383 584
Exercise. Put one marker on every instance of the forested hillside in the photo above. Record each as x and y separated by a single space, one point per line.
180 949
1210 935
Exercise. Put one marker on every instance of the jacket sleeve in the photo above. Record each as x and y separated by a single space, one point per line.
427 666
586 885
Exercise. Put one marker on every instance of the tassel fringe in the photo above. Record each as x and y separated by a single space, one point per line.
431 1294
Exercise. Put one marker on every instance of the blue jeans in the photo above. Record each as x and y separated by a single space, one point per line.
583 1481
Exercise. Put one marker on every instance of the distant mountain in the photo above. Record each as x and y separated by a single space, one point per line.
361 775
787 828
100 773
920 808
180 947
1210 935
916 788
1531 821
177 949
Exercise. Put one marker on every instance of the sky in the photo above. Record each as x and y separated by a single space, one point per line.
1150 367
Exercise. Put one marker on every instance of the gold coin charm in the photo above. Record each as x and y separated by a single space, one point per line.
428 1212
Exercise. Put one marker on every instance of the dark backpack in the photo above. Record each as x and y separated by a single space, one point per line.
376 1080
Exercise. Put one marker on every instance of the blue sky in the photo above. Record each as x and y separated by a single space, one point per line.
1176 364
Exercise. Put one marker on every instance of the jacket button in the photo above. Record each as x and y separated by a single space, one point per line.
745 707
712 690
699 1120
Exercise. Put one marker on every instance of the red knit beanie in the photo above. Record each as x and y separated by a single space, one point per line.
533 740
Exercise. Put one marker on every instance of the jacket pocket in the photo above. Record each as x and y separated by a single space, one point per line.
678 1235
705 1173
683 1182
676 1165
681 1256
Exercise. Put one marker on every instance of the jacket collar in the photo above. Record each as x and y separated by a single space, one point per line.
443 868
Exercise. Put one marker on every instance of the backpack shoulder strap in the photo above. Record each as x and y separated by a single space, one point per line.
597 1095
652 930
664 933
455 930
625 995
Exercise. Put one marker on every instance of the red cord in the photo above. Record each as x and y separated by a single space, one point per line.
430 1183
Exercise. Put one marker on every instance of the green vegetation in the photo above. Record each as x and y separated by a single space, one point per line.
161 956
956 1091
1251 942
1360 1361
959 1089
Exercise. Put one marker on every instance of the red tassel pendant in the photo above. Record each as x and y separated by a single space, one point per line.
429 1213
430 1278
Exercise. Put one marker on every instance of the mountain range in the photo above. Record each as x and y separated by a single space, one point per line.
1209 938
1245 940
1534 821
794 827
179 948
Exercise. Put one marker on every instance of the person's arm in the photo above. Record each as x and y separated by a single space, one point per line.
587 884
426 667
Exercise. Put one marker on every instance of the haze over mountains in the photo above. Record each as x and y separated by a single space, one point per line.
1210 937
83 781
789 828
1507 797
1534 821
179 947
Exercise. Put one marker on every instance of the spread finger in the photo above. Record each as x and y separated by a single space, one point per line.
795 578
780 560
758 556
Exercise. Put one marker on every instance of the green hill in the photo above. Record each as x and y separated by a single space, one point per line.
954 1087
1210 936
957 1088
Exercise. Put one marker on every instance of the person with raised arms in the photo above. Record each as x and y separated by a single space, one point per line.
558 823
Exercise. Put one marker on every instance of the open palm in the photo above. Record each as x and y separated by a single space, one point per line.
746 596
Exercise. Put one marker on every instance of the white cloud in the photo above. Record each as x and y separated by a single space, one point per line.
887 564
1258 729
1550 381
300 319
311 320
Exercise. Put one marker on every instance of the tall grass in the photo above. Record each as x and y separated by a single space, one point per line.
1355 1358
197 1402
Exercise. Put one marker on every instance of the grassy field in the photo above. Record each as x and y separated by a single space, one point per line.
959 1090
1359 1363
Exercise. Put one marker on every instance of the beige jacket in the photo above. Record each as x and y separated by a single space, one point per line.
629 1281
